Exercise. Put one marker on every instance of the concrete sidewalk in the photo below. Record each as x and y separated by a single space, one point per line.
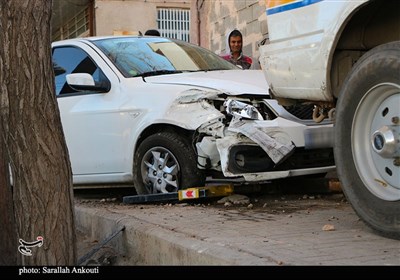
322 232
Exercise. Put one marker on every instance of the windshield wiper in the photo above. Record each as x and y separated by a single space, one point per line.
158 72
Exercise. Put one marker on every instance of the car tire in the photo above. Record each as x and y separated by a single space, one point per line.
368 102
152 174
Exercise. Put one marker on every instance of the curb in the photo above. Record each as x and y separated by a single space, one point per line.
144 243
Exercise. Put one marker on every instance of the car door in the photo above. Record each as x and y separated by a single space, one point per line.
92 122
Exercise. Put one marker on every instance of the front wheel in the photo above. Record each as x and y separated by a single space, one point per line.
367 141
165 162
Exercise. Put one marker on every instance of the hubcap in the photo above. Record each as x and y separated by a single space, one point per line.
384 141
160 170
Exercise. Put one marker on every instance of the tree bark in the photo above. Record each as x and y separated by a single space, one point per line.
32 135
8 252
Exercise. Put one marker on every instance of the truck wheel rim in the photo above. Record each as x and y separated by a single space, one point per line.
375 152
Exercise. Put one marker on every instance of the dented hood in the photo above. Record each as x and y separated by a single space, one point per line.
232 82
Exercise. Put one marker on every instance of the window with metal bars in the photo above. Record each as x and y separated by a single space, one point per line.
77 26
174 23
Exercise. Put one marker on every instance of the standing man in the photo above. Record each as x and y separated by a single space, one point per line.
235 55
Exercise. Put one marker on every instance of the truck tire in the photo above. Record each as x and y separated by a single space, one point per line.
165 162
367 144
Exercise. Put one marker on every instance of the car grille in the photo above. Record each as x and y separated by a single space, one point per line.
252 159
301 111
308 158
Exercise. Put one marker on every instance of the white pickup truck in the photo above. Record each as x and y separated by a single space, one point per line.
343 58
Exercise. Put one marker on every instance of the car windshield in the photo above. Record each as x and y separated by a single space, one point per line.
142 56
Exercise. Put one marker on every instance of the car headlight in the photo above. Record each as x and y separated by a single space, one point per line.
243 110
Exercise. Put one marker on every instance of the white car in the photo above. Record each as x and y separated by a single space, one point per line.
164 115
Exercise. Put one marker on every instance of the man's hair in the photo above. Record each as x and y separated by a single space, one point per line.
152 32
235 33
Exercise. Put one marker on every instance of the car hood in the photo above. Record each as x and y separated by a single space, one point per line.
231 82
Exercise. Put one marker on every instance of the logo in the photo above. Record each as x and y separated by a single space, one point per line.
24 246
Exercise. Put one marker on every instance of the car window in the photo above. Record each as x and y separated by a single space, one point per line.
67 60
140 56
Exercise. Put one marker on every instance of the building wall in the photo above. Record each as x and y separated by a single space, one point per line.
217 17
210 20
130 16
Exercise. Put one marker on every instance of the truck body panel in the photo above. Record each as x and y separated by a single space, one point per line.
301 44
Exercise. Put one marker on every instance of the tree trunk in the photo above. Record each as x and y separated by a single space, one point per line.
8 252
33 137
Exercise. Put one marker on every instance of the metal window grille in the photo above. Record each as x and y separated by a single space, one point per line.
174 23
78 26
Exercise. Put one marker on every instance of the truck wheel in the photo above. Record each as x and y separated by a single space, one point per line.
367 139
165 162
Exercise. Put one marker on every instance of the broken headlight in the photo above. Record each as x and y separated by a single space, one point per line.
242 110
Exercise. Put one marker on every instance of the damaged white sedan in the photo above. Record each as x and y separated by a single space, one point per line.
162 115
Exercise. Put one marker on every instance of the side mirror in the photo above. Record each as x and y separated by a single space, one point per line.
85 82
80 79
